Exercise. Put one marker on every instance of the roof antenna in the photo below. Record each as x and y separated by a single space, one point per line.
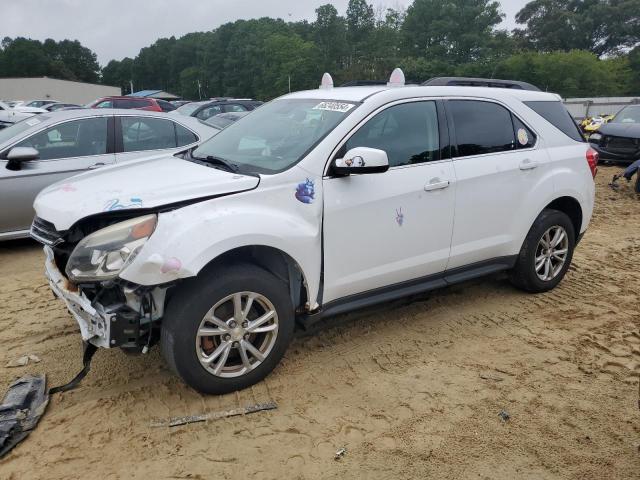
396 79
327 82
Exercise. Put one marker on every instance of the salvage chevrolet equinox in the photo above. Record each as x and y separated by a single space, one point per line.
317 203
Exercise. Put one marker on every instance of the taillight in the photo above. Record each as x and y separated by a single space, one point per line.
592 160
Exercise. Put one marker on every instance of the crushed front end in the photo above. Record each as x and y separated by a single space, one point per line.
82 269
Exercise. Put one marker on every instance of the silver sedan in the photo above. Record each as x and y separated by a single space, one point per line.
50 147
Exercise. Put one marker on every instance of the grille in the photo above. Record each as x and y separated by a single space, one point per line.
45 232
621 143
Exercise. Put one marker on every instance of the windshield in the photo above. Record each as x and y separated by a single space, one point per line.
275 136
628 115
188 108
16 129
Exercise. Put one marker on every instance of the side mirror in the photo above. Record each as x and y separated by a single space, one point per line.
361 160
17 155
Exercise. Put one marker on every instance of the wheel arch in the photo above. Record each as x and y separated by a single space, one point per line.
571 207
275 261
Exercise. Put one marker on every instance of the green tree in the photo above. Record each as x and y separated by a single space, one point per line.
571 74
603 27
456 31
361 24
330 34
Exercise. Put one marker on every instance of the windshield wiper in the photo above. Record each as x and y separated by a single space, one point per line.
230 167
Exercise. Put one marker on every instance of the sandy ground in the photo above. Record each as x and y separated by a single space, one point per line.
411 390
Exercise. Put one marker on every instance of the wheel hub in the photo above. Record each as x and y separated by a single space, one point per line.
239 345
551 253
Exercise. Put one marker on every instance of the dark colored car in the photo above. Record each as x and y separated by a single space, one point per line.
137 103
619 140
210 108
223 120
59 106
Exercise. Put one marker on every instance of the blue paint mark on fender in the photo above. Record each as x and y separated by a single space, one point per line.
305 191
115 204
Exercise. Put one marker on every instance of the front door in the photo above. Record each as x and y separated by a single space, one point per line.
386 228
65 150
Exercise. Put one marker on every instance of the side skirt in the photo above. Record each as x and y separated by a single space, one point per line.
408 288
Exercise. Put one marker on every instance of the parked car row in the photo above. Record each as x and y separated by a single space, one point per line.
50 147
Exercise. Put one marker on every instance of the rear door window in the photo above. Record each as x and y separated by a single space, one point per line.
525 138
141 133
556 114
481 127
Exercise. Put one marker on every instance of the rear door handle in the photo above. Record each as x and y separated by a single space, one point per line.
96 165
436 184
527 164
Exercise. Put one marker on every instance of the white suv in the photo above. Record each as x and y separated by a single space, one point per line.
316 203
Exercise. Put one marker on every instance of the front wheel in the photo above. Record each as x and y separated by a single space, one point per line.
228 329
546 253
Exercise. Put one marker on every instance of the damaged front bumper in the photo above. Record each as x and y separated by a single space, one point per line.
126 324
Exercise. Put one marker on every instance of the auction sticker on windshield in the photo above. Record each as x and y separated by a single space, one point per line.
334 107
32 121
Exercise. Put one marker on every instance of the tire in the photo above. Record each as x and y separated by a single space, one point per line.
182 348
524 275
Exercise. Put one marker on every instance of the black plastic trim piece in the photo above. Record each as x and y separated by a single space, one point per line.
119 145
408 288
111 136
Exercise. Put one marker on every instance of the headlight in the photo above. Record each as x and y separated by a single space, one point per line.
105 253
595 137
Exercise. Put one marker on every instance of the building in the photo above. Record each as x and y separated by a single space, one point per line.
157 94
43 88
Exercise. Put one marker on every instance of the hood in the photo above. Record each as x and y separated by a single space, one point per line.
628 130
141 184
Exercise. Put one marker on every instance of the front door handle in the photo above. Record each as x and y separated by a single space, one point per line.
96 165
436 184
527 164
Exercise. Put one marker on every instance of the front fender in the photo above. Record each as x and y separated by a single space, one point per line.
187 239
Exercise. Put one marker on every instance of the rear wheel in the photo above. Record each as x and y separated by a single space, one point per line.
228 329
546 253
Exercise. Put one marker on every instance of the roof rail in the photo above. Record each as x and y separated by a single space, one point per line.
363 83
479 82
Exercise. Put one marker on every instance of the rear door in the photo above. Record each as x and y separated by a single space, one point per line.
386 228
498 164
65 149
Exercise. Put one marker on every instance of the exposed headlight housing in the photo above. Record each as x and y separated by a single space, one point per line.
104 254
595 137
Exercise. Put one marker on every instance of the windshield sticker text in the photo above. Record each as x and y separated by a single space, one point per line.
334 107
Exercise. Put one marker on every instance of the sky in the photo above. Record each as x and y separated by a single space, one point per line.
115 29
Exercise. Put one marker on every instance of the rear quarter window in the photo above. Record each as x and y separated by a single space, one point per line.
558 116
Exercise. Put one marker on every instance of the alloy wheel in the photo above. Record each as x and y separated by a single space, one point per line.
551 253
237 334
